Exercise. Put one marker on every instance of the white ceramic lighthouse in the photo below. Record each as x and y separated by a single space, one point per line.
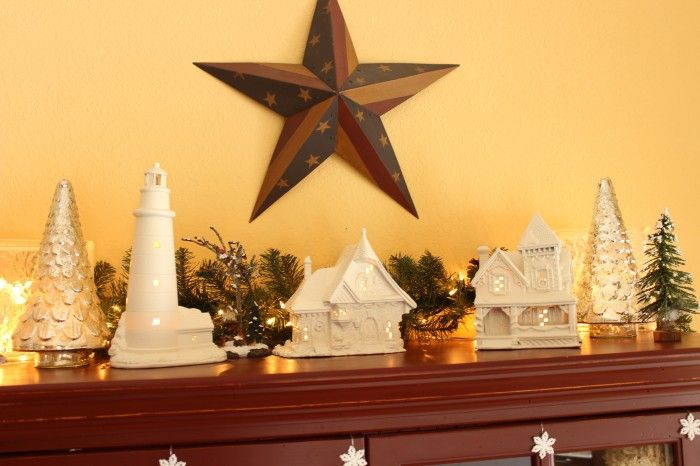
154 331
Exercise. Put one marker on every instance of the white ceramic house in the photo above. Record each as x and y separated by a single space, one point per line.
524 298
154 331
354 307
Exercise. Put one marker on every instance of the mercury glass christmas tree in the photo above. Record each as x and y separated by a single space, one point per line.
63 321
608 284
666 292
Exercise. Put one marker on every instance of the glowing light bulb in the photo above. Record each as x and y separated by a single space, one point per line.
156 321
156 244
270 321
156 282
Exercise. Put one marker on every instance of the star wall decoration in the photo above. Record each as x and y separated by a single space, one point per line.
332 104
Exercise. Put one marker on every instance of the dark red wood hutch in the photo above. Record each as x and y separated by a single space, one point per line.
438 403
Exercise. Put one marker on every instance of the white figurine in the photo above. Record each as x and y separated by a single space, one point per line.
524 298
154 331
354 307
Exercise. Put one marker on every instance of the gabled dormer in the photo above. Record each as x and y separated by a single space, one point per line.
498 276
361 277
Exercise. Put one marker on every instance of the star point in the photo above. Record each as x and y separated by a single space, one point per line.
327 67
283 184
396 176
323 126
385 68
361 80
270 99
360 115
384 140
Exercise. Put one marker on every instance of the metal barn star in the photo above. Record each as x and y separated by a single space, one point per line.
331 104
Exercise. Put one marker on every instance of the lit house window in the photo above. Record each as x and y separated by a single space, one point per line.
498 284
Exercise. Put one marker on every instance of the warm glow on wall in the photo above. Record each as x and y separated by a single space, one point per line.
550 97
13 298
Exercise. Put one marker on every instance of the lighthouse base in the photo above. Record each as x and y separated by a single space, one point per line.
195 346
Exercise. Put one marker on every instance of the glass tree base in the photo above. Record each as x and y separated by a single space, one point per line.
57 359
613 330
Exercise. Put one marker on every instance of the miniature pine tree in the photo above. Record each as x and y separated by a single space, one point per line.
666 292
608 283
254 329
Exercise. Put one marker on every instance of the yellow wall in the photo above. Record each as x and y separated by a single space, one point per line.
550 96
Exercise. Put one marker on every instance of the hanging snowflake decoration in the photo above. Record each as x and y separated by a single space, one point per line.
690 427
543 445
353 457
171 461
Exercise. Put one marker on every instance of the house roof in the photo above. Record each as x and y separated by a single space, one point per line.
311 294
538 234
493 260
326 285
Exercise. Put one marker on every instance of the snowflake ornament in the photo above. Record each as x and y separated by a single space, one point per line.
543 445
171 461
353 457
690 427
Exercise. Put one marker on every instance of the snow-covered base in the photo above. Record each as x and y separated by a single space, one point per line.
242 351
291 350
508 342
136 358
124 357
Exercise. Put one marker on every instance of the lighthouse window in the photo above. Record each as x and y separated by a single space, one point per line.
158 179
155 321
156 244
156 282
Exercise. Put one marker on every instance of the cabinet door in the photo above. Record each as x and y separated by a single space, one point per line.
302 453
578 442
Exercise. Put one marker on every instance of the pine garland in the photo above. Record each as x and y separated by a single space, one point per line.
246 300
442 300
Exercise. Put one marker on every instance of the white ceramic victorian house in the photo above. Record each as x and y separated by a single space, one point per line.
354 307
524 298
154 331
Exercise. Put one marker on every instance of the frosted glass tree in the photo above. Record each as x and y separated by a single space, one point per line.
63 320
608 286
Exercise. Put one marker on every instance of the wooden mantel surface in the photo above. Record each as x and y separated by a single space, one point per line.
432 385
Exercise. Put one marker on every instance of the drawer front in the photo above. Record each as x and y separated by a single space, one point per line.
300 453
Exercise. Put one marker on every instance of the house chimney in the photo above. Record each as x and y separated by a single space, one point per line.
483 254
307 267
